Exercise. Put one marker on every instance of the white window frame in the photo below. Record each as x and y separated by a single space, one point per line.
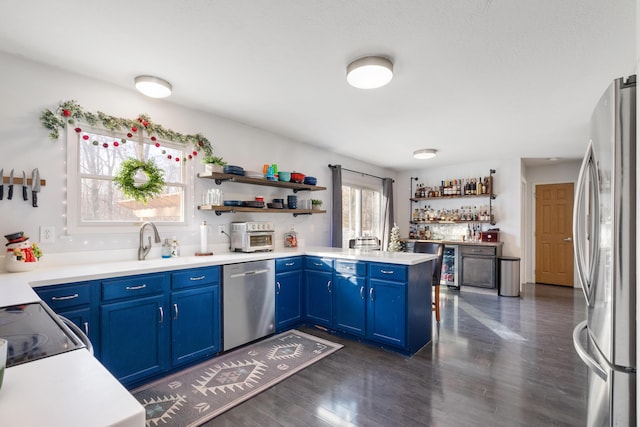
363 182
73 223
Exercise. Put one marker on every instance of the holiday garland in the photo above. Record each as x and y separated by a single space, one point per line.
124 179
70 111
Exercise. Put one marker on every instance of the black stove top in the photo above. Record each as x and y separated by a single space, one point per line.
34 331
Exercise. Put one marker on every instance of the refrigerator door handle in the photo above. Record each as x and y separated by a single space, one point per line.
584 355
586 232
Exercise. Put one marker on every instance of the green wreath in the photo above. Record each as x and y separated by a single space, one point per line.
124 179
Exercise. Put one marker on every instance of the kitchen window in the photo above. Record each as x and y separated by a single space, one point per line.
361 209
94 202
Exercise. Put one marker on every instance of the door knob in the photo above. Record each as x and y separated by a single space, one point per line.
567 239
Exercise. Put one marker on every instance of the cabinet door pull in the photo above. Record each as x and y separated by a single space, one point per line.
371 294
317 264
386 271
329 286
197 278
289 264
136 288
161 314
278 288
362 293
86 328
175 309
65 298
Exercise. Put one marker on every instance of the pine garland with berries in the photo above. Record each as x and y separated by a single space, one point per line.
69 112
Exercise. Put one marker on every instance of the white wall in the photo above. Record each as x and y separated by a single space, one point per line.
27 88
564 172
506 187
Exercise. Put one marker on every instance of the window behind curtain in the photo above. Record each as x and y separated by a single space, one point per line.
92 198
361 211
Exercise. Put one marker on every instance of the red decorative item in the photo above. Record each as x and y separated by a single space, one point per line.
200 143
195 153
105 145
78 130
153 138
157 144
134 129
66 113
129 135
190 157
169 157
115 143
85 137
177 159
145 123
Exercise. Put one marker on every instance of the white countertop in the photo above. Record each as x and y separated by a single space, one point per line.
74 388
67 390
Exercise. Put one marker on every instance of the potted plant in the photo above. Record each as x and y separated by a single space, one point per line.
213 163
316 204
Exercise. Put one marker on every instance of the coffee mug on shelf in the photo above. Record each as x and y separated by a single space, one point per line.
292 202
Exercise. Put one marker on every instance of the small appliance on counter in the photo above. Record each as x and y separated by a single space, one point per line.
491 235
367 243
252 236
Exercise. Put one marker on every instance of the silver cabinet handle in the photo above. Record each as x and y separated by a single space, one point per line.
567 239
289 264
197 278
348 267
86 328
329 286
65 298
317 264
175 309
362 292
161 314
371 294
135 288
278 286
386 271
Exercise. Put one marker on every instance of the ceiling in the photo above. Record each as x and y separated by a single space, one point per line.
474 79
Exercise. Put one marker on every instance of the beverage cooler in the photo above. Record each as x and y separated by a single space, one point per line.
451 266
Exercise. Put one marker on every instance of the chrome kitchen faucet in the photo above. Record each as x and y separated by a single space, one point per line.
144 250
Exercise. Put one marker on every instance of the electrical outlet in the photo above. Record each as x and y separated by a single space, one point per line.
47 234
222 229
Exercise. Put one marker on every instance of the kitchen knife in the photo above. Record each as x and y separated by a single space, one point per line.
10 195
25 195
1 183
35 186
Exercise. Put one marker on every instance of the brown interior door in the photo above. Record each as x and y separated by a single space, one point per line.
554 236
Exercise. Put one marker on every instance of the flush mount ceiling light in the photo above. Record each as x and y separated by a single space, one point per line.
153 86
425 153
370 72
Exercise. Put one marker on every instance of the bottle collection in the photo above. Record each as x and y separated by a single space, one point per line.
465 213
456 188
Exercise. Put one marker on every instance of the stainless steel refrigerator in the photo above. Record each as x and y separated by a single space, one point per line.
604 228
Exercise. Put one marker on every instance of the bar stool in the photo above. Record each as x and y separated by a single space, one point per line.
436 272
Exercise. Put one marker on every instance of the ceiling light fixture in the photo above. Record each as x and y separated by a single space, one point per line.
425 153
153 87
370 72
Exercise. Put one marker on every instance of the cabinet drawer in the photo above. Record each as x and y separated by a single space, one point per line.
288 264
133 287
64 296
351 267
477 250
393 272
195 277
319 264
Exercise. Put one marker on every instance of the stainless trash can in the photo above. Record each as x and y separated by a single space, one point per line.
509 276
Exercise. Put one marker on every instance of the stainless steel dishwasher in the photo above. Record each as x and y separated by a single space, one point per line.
248 302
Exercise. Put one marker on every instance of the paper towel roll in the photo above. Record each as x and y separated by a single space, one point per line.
203 237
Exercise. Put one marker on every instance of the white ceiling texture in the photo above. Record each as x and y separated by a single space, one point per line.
473 78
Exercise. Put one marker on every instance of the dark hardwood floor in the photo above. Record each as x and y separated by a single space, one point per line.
493 361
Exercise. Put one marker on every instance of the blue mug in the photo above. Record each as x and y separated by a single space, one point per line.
292 202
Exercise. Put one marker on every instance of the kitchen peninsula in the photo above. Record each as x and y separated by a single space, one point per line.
65 382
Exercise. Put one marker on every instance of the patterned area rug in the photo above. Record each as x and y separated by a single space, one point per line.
200 393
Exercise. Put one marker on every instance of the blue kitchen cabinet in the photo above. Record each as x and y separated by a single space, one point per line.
350 292
288 292
387 304
195 314
135 326
78 302
318 292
